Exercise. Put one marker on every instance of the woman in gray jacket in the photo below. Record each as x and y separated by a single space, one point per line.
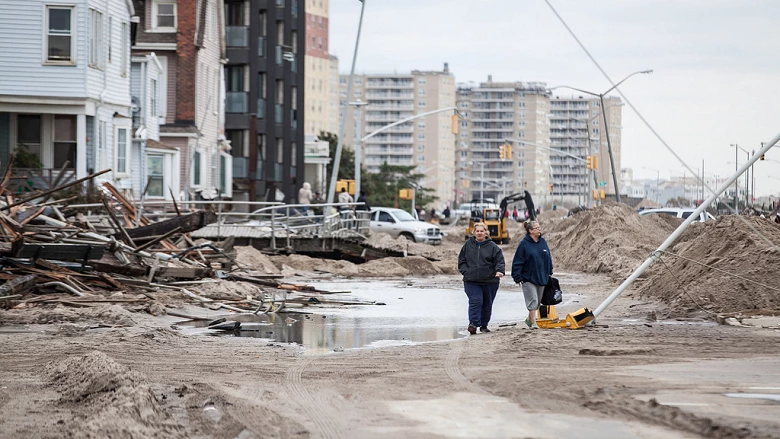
481 262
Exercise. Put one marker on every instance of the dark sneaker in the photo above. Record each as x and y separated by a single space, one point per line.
472 329
484 329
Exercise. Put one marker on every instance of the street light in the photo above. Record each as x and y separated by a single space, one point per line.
604 114
337 158
358 104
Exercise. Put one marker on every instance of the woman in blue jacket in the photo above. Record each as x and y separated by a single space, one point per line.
532 268
481 262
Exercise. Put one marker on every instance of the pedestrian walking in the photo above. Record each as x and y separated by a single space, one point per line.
304 197
514 214
363 199
481 262
531 268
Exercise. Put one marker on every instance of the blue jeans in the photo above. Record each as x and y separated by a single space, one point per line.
481 299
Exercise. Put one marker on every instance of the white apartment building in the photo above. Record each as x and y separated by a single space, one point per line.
577 130
427 143
494 114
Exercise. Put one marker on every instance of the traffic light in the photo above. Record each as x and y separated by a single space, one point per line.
589 162
595 194
349 185
595 162
455 123
465 183
405 194
602 195
502 151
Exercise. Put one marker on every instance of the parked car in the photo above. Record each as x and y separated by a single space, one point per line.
397 222
681 213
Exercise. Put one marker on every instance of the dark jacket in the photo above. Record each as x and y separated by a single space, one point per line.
362 199
479 264
532 262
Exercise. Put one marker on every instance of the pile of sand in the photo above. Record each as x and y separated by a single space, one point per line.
612 239
647 204
295 264
729 245
401 244
225 290
251 258
108 399
101 314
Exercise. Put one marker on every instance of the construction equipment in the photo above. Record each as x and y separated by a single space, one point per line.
547 318
496 219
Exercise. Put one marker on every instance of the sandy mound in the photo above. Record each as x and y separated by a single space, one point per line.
252 259
612 238
647 204
110 400
728 245
400 244
101 314
293 264
225 290
385 267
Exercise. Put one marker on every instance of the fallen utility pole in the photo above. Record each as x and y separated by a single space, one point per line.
676 234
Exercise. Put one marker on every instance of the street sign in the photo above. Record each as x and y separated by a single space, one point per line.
602 183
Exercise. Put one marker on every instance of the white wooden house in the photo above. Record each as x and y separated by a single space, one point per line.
65 88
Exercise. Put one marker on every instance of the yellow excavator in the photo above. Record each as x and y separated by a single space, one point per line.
496 219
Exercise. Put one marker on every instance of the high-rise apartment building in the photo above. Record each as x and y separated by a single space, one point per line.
317 66
333 96
426 143
495 114
265 92
577 128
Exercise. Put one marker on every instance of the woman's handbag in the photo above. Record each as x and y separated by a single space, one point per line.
552 292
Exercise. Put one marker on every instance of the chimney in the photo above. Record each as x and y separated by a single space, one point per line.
446 67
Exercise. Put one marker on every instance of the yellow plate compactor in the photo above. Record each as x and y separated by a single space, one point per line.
547 318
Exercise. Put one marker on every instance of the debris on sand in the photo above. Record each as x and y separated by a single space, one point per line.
611 239
724 246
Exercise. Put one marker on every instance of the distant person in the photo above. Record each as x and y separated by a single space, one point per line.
531 268
304 197
446 212
317 201
434 218
345 197
515 214
363 199
481 262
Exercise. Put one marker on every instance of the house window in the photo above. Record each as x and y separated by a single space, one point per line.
102 154
154 168
153 98
196 158
124 42
96 39
164 15
60 35
29 139
64 141
122 152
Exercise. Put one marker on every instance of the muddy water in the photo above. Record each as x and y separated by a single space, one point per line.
414 311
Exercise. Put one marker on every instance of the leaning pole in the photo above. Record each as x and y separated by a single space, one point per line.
676 234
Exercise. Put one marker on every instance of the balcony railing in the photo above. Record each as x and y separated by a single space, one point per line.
25 180
237 36
236 102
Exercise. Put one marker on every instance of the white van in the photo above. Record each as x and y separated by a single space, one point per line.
682 213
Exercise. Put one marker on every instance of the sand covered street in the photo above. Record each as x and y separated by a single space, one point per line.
656 365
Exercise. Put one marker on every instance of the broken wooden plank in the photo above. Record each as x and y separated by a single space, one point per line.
20 285
56 189
183 272
73 252
187 223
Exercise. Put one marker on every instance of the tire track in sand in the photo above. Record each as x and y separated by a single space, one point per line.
451 364
294 385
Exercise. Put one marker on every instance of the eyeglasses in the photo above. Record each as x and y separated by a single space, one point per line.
536 228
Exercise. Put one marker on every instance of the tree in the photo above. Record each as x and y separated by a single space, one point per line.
383 187
347 162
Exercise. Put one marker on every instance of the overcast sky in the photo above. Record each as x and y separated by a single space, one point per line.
716 64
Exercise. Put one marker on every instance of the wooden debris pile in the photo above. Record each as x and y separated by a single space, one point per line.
53 253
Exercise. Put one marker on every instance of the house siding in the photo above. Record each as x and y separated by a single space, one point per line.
109 80
170 98
207 101
21 53
90 144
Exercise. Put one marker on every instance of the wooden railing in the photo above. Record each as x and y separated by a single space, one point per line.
25 180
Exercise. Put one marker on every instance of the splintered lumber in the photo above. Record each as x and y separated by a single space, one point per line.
20 285
187 223
56 189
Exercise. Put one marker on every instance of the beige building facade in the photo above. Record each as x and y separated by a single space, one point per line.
426 143
496 114
577 127
317 69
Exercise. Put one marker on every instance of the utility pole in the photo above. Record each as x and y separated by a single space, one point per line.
358 104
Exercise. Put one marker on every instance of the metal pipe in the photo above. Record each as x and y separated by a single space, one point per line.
695 215
337 158
63 285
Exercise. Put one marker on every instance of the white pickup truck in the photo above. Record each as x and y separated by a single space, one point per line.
397 222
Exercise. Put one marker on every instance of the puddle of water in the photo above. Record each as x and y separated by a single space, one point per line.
769 396
415 311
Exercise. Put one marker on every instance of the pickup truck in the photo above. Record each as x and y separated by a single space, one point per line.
397 222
